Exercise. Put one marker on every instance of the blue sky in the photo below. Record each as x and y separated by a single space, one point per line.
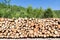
54 4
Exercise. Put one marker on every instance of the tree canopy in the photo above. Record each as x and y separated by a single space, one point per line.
10 11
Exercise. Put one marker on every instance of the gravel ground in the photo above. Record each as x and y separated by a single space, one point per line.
34 39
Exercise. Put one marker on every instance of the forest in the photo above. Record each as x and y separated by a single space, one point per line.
14 11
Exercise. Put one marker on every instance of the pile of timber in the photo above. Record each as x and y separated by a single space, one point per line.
29 27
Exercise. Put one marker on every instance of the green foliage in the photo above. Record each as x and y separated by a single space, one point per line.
7 2
57 13
48 13
13 11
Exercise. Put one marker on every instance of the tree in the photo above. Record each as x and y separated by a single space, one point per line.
48 13
29 11
10 11
7 2
39 12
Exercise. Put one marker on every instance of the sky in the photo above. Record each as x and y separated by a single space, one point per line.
54 4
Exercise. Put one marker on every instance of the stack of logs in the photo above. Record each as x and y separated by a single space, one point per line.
29 27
